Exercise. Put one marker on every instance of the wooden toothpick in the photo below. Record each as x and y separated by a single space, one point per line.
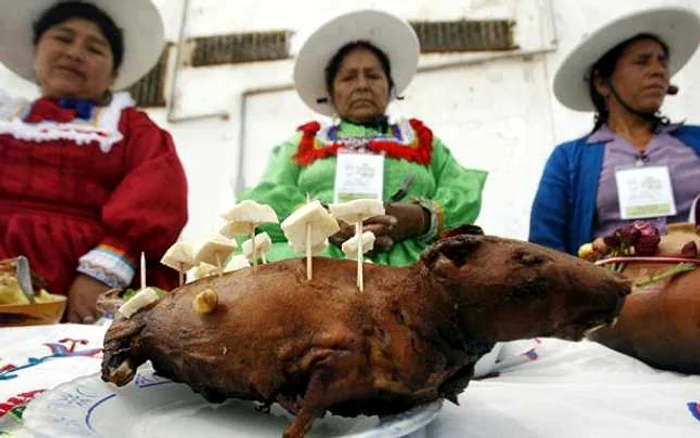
252 243
360 256
309 260
181 273
143 270
218 263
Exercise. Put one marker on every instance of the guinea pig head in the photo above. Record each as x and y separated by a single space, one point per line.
505 289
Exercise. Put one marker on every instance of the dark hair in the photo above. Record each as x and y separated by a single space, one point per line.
605 67
64 11
334 64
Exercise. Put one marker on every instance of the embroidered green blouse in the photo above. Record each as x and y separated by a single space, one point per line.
452 192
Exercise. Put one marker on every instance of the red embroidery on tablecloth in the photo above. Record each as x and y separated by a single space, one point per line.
8 367
18 401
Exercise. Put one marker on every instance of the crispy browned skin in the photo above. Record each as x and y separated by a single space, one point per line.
659 324
411 337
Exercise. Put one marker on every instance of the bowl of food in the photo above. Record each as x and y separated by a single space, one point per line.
15 307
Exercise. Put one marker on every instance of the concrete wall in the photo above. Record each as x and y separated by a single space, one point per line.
495 110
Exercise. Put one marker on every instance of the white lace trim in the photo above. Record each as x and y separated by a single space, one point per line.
105 132
107 267
408 135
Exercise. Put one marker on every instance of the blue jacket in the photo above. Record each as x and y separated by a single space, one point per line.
564 209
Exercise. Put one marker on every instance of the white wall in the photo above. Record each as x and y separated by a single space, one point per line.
498 115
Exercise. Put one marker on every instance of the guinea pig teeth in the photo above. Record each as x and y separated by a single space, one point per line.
123 374
592 330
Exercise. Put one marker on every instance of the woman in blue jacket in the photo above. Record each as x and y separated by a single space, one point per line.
634 164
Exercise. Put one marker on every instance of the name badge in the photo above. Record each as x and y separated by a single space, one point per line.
645 192
358 176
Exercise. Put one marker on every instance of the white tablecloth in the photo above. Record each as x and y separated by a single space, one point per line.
66 351
544 388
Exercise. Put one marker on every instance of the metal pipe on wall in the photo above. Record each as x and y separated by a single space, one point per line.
239 184
171 117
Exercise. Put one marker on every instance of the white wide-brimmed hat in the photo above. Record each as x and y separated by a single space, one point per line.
677 27
391 34
139 20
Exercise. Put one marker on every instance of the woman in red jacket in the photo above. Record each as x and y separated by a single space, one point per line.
88 182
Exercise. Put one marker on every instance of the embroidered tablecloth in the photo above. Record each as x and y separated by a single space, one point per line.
34 359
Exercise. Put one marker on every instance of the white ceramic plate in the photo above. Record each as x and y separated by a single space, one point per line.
151 407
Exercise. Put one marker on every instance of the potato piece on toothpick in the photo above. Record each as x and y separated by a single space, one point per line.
350 246
308 229
246 215
215 250
358 210
229 231
263 243
355 212
141 299
180 257
323 225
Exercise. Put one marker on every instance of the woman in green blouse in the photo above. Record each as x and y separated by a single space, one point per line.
350 69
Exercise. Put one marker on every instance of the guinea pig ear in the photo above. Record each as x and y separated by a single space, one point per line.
472 230
457 250
529 259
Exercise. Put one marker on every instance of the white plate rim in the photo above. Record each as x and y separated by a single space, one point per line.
42 422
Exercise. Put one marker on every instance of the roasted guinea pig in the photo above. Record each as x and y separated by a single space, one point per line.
413 335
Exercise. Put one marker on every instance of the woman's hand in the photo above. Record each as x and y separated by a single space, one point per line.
82 299
380 226
412 220
402 221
